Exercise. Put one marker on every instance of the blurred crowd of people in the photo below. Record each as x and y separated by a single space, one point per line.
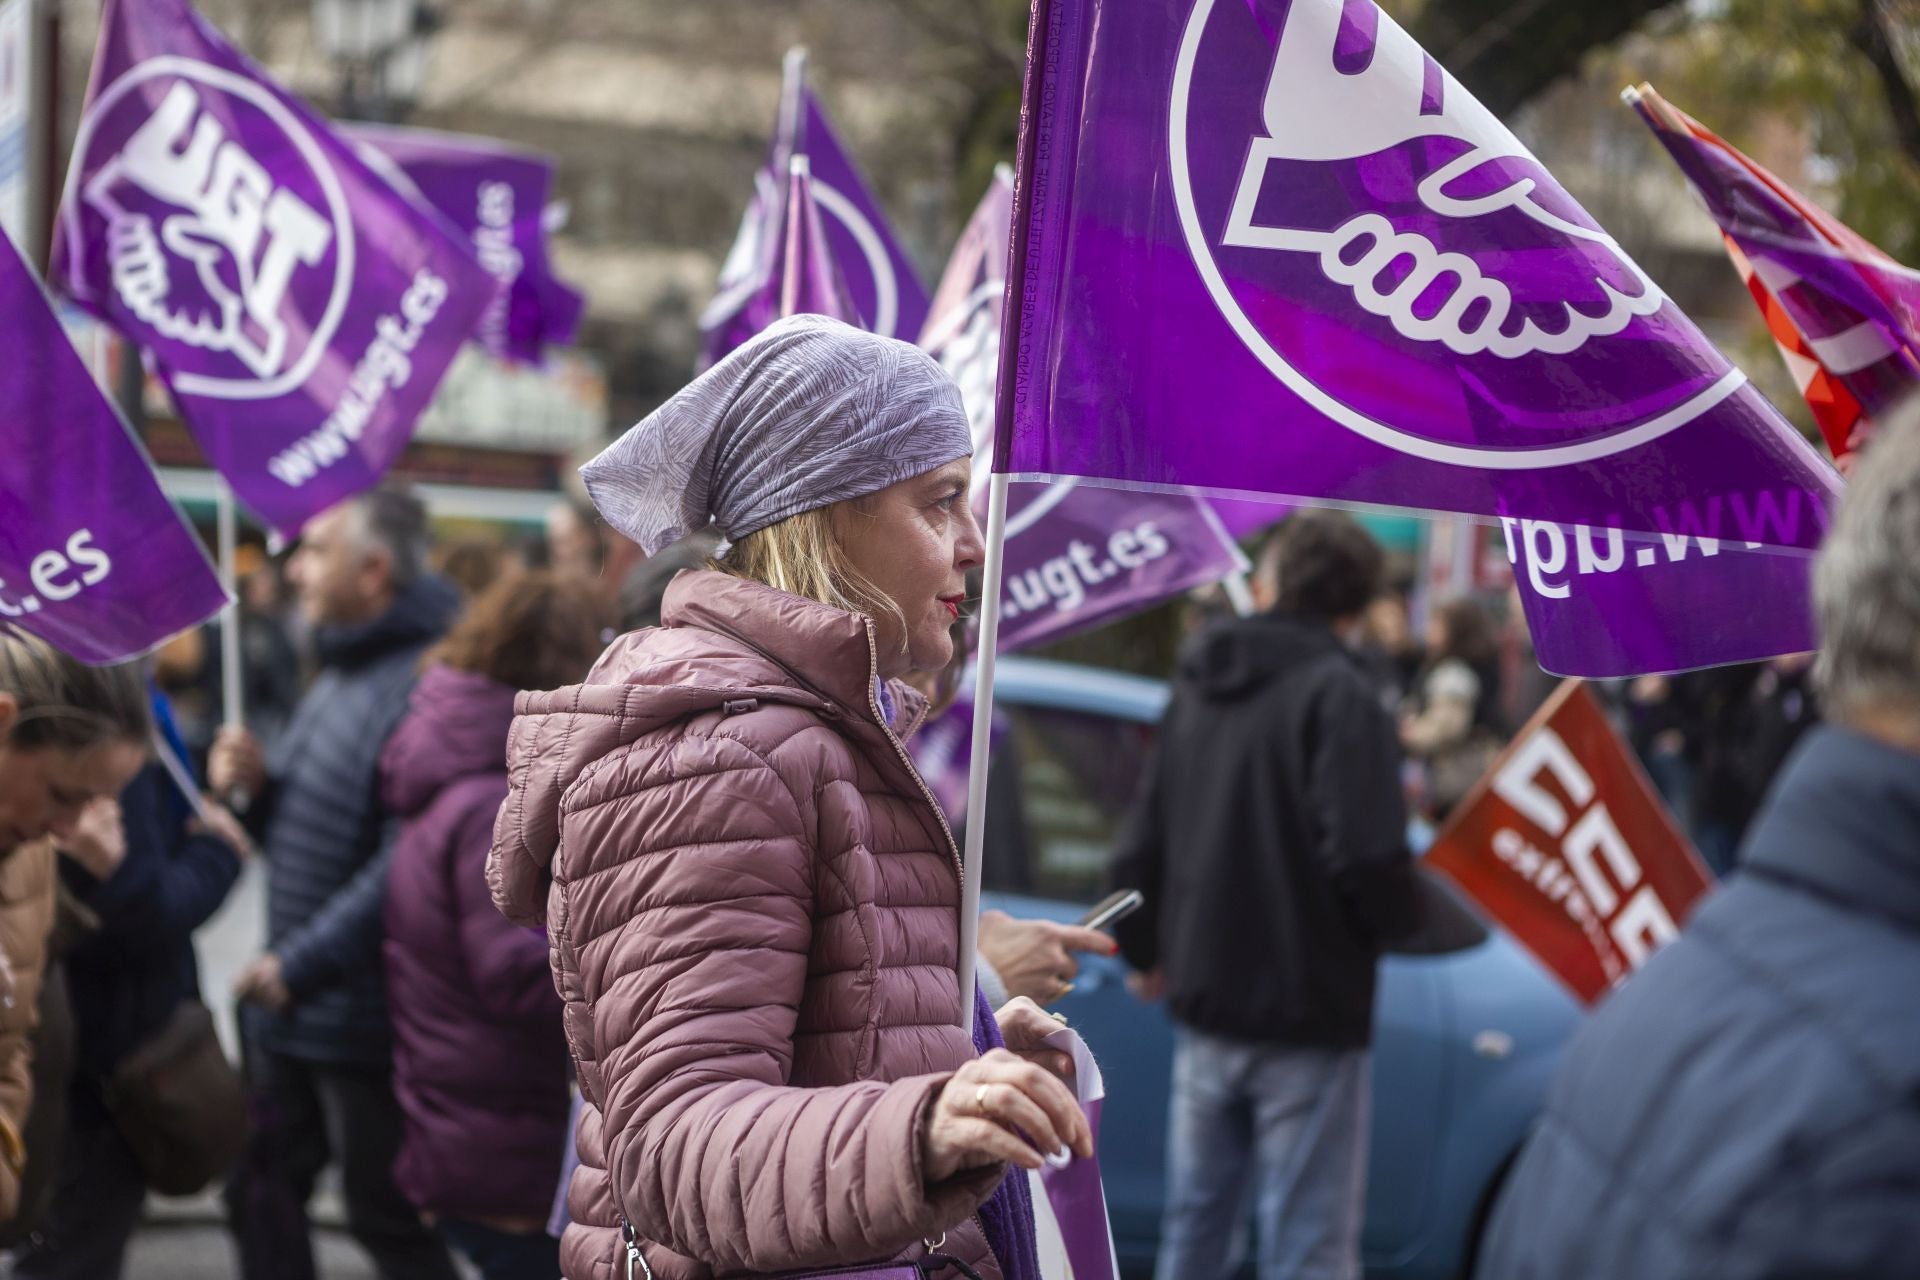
413 1038
395 1026
1711 741
413 1023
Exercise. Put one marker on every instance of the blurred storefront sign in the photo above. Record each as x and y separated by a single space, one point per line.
16 116
489 403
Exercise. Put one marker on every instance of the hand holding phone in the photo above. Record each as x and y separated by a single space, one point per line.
1112 909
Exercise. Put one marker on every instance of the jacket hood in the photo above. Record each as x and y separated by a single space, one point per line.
1844 819
721 640
417 615
1235 657
456 726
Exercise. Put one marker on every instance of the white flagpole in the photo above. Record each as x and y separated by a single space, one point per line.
177 769
1239 593
798 167
231 690
1003 396
982 744
791 126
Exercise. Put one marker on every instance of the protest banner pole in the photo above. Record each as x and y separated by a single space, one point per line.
231 691
790 128
1239 593
799 171
982 742
1039 23
177 770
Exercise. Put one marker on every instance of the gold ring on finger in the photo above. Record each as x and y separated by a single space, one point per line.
980 1099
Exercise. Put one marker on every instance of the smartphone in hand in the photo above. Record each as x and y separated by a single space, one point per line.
1112 909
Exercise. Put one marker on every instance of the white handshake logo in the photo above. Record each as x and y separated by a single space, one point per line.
1317 111
242 236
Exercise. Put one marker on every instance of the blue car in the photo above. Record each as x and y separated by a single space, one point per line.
1465 1042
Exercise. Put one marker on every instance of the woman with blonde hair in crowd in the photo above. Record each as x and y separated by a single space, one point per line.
480 1061
752 899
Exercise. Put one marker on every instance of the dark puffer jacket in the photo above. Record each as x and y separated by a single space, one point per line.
479 1057
131 972
327 836
1748 1106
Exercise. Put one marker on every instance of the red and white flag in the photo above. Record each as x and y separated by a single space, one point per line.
1844 313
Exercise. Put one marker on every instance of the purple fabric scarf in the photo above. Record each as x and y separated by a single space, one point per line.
1008 1216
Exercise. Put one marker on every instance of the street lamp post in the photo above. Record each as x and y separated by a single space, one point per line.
380 49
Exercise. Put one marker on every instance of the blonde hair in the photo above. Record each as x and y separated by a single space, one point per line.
806 555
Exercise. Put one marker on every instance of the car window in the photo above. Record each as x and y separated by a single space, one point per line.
1063 782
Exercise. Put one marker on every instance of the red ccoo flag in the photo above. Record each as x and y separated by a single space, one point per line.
1567 845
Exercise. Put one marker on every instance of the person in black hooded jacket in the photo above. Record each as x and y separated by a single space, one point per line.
1270 842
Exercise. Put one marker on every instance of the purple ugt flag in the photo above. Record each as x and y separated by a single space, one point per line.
1077 556
886 293
497 196
300 309
93 558
1273 246
1604 604
802 276
809 278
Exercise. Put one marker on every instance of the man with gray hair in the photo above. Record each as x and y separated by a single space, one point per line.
315 1011
1748 1105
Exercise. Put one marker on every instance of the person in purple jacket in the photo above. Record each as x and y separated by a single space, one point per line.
480 1060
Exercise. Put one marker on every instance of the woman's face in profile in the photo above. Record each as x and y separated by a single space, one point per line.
916 541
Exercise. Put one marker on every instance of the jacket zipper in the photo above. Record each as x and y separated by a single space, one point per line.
932 1247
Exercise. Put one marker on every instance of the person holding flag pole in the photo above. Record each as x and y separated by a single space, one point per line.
742 771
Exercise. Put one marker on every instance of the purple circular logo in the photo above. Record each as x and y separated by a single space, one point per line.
213 218
1395 256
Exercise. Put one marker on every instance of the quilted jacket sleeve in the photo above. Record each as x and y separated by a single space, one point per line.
691 900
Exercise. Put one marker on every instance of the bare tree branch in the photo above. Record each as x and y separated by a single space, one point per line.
1506 51
996 50
1871 36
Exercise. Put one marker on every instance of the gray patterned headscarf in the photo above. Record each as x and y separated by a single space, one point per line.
809 413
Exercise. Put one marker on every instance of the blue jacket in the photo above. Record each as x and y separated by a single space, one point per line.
1748 1105
327 836
127 977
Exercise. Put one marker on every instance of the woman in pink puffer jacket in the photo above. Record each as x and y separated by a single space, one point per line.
751 897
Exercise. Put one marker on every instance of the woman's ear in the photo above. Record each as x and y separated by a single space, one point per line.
9 712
